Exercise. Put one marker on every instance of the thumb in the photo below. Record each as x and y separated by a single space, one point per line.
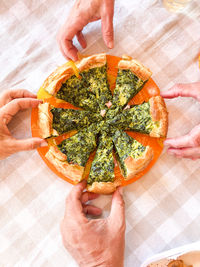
117 214
28 144
107 24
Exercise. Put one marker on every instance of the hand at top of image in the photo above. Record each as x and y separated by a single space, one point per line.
187 146
11 102
96 242
82 13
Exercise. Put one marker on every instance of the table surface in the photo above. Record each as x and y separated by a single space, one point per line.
162 208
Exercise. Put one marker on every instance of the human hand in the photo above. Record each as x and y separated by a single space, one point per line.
82 13
187 146
98 242
184 90
11 102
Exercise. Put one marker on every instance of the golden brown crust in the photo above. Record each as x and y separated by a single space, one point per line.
54 82
177 263
136 67
45 118
135 166
104 187
159 113
71 171
93 61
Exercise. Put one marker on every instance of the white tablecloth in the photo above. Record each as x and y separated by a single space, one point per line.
163 207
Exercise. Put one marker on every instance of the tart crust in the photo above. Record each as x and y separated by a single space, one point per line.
91 62
136 67
159 113
103 187
135 166
55 80
58 159
45 120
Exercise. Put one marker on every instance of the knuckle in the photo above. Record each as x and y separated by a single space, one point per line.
108 33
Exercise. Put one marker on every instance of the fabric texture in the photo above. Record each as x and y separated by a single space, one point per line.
162 208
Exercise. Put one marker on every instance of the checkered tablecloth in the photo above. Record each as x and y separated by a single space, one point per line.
163 207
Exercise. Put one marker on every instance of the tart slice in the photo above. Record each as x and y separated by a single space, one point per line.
149 118
55 121
131 77
71 155
93 71
89 91
133 157
101 177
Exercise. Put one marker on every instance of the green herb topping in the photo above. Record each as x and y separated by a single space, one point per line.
125 147
102 169
65 120
127 86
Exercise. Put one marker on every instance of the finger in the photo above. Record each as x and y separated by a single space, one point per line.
180 89
87 196
10 109
74 206
28 144
107 24
92 210
178 142
117 214
81 39
21 93
191 152
69 50
9 95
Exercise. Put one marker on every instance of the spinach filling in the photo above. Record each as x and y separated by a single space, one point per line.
127 86
97 83
75 91
91 92
126 146
78 147
102 169
65 120
137 118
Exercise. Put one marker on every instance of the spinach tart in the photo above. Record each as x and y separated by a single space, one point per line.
71 155
90 90
56 121
100 122
148 118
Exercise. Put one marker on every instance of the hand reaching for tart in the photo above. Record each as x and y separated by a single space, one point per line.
82 13
11 102
85 239
187 146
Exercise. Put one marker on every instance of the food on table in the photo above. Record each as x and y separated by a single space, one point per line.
178 263
149 118
100 121
132 155
71 155
56 121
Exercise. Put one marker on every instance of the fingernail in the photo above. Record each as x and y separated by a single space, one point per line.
44 143
110 44
121 190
